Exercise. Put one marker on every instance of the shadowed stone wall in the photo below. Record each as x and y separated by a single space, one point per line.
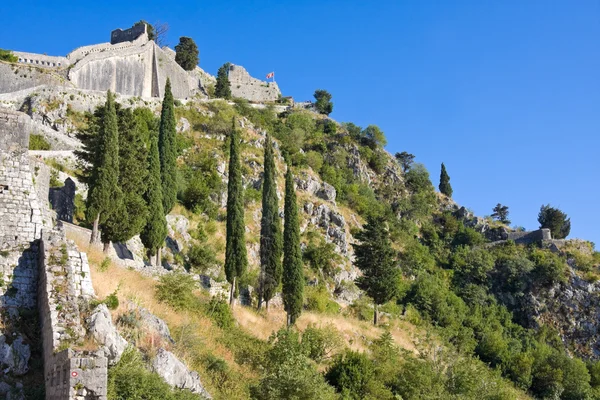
20 211
127 35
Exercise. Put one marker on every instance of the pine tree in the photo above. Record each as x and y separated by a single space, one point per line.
154 233
555 220
223 87
129 218
445 187
375 257
104 192
293 276
270 231
500 213
167 151
186 53
236 259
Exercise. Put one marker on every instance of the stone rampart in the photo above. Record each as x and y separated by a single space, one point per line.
128 35
42 60
528 237
64 285
249 88
15 77
20 210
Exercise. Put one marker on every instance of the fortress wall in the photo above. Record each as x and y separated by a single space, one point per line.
64 281
15 77
528 237
42 60
20 213
252 89
125 71
183 84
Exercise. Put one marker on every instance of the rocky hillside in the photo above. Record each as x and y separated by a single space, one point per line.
477 299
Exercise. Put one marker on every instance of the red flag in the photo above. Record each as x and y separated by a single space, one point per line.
270 75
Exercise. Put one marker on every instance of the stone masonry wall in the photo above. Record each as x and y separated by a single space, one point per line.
127 35
249 88
64 284
20 211
528 237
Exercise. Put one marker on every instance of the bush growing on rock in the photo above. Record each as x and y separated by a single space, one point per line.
176 289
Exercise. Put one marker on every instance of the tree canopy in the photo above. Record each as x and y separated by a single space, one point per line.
186 53
223 86
555 220
324 105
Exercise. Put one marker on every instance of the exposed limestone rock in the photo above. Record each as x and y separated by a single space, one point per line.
177 226
14 357
176 374
327 192
333 223
101 327
151 321
359 169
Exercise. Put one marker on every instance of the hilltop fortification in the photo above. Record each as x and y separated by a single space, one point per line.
130 64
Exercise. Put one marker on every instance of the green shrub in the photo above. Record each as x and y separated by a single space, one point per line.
251 195
352 374
314 160
362 308
201 257
112 301
319 300
7 55
220 312
320 343
105 264
176 289
38 142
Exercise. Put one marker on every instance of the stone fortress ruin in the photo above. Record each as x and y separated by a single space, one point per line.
130 64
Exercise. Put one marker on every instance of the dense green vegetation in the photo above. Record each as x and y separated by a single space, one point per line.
420 262
7 55
555 220
223 87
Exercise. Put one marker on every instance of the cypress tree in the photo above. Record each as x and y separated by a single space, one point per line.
129 218
167 151
104 192
270 231
155 231
293 276
223 87
236 259
445 187
375 257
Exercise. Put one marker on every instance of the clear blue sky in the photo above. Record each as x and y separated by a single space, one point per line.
505 93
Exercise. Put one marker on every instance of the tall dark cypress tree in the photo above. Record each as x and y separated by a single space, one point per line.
154 233
167 151
293 276
270 231
236 259
223 87
376 259
445 187
130 217
104 192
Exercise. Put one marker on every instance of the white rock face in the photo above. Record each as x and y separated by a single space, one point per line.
14 357
176 374
105 333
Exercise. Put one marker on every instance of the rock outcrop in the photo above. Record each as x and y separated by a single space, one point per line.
102 329
176 374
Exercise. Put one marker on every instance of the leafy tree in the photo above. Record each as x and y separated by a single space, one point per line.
293 277
555 220
500 213
104 191
236 259
129 219
323 104
7 55
168 151
351 374
270 230
223 87
405 160
186 53
154 233
376 259
289 373
374 137
445 187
